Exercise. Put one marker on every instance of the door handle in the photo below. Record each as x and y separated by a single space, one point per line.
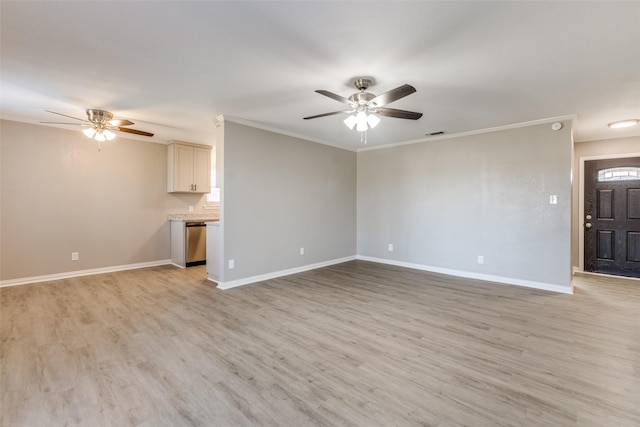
588 225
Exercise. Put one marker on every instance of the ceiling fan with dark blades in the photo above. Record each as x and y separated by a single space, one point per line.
100 124
365 107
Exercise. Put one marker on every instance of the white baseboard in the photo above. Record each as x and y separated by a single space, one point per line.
471 275
275 274
260 277
78 273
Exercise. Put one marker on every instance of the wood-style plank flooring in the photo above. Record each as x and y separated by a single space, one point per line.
355 344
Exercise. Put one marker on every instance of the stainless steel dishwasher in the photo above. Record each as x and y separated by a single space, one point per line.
196 244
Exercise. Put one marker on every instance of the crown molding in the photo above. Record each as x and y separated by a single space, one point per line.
571 118
220 119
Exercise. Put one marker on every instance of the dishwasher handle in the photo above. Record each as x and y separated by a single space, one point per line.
195 224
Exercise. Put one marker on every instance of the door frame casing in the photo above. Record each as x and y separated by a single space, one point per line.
581 196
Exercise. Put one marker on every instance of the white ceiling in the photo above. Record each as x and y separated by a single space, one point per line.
172 67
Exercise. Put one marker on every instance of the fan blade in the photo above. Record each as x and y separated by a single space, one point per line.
121 122
392 95
134 131
398 114
326 114
71 117
70 124
336 97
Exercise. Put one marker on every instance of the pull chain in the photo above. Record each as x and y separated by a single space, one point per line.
363 137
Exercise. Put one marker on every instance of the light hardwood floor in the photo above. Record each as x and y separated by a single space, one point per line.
357 344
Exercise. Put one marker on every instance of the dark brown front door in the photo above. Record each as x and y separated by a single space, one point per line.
612 216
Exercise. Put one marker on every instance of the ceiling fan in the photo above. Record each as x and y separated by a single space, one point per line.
100 124
365 107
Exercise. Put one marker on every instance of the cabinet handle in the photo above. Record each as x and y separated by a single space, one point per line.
195 187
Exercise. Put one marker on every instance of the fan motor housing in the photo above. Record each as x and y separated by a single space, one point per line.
99 116
361 98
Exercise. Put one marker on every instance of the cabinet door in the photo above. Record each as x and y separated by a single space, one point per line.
183 168
202 170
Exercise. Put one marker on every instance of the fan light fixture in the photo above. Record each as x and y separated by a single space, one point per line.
362 120
623 123
99 120
98 134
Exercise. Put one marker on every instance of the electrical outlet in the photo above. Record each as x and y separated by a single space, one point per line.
75 256
301 251
232 264
190 208
390 247
480 259
553 199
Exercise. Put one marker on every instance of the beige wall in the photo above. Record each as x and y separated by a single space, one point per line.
443 203
282 193
59 195
593 149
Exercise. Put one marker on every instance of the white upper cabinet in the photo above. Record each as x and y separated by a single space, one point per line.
189 168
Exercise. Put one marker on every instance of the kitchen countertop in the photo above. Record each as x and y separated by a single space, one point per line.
194 216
